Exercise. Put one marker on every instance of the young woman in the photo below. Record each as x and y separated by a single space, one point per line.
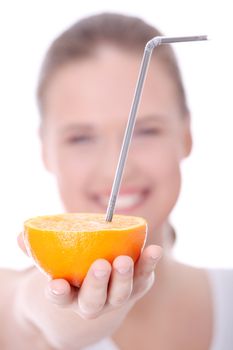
85 91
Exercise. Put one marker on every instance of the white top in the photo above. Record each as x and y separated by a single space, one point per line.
222 292
221 282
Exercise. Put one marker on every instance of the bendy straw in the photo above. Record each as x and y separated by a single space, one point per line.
151 44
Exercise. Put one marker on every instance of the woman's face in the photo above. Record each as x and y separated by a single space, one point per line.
87 107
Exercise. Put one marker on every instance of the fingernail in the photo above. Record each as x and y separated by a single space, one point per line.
56 289
155 256
57 292
155 260
123 269
100 273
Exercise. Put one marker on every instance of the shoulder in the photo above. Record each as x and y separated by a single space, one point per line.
187 307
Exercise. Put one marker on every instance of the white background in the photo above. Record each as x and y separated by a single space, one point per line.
203 216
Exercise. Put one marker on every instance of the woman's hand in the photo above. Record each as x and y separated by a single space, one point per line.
107 294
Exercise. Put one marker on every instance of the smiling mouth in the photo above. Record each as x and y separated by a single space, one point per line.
125 201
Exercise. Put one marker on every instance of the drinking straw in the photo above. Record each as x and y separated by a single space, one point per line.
151 44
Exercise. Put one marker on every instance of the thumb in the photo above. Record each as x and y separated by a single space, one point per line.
21 243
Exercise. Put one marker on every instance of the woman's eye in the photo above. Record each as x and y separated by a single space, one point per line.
148 132
76 139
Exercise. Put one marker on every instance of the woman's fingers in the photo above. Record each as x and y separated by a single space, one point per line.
144 269
93 292
107 285
60 292
121 283
21 243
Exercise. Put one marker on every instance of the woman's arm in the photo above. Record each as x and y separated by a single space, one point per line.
32 315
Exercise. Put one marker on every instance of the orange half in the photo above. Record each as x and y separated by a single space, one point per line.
65 245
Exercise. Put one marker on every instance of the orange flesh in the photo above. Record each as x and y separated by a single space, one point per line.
83 222
65 246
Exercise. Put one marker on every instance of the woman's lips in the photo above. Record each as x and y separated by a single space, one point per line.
126 200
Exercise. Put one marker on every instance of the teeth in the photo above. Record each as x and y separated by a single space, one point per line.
123 201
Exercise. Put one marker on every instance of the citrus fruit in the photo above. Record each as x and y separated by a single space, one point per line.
65 245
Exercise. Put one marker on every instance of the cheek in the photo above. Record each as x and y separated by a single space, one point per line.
167 166
161 166
159 159
165 175
167 183
73 175
70 169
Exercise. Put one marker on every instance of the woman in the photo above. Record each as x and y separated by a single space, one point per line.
84 94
